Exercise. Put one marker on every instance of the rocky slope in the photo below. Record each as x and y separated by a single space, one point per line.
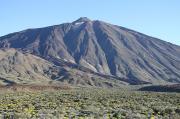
103 48
24 68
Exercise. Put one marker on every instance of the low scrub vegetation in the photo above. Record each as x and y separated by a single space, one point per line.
87 103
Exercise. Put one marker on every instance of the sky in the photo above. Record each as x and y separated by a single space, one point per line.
157 18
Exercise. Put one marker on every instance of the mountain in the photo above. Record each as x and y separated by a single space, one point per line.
101 48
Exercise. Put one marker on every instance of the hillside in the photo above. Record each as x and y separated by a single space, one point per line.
24 68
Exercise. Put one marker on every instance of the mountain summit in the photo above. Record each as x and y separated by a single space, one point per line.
102 48
83 19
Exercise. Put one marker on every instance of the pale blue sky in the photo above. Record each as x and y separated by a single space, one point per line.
158 18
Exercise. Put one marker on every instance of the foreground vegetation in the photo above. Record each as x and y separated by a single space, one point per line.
89 103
